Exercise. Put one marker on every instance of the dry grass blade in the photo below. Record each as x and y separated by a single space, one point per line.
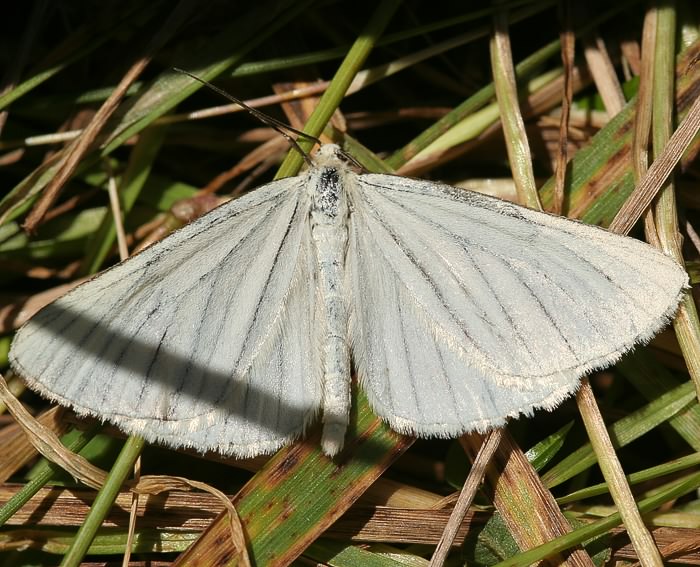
658 172
157 484
48 444
15 450
513 126
604 74
132 517
679 550
466 496
642 119
615 477
568 44
117 214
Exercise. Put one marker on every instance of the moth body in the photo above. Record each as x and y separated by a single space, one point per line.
329 231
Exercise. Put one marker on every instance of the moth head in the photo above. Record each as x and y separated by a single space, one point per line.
328 154
332 155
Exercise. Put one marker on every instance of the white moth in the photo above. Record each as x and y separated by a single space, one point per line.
458 310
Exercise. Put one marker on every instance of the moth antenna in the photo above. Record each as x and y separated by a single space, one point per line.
352 160
279 126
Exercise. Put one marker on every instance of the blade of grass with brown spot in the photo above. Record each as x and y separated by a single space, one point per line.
300 492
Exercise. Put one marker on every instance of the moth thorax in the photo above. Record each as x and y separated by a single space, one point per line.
329 195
